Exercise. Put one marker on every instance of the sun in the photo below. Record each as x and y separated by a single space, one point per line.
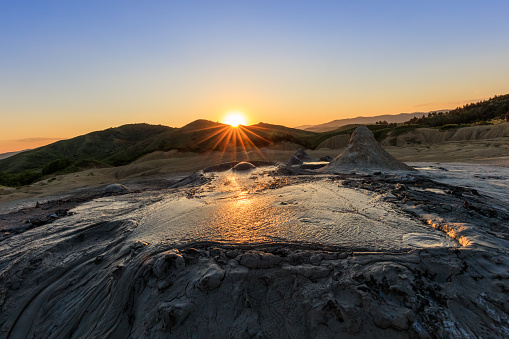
235 119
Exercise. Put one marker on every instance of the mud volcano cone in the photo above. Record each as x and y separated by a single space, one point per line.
363 153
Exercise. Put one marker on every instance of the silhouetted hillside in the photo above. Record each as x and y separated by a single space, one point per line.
112 146
124 144
335 124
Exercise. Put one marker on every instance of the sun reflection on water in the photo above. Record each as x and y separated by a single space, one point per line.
242 217
238 208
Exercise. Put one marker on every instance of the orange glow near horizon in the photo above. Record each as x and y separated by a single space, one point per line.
235 119
240 143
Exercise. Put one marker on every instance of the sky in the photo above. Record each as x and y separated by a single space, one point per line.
71 67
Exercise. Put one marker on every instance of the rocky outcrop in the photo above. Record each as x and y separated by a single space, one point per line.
114 188
299 158
303 156
294 161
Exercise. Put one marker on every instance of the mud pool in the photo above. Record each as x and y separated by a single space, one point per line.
232 209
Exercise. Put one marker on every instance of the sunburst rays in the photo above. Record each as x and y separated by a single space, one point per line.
235 143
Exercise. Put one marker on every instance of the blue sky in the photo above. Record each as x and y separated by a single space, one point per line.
71 67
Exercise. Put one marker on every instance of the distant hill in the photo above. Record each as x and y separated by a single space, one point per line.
124 144
332 125
10 154
413 135
109 146
476 121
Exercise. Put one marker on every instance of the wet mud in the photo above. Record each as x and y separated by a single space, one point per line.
263 254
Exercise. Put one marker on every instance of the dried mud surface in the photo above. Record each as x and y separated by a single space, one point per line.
128 266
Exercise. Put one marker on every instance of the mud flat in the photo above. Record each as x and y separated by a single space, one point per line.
265 254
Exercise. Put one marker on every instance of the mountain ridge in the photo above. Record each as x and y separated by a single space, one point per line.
390 118
121 145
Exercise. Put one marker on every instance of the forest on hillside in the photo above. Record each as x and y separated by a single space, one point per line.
475 113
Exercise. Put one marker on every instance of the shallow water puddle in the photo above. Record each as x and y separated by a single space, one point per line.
235 210
490 180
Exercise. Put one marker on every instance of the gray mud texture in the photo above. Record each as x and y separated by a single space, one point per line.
426 259
363 153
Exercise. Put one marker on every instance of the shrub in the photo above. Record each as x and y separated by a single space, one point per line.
56 165
497 121
478 123
448 126
402 130
24 178
381 133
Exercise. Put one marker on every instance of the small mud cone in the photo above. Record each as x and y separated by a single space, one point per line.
363 153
